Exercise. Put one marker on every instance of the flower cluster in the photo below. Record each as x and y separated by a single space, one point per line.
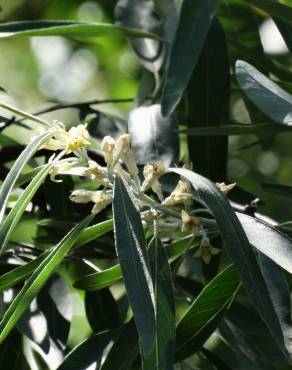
167 214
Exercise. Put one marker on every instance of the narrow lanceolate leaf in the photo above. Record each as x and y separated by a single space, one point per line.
132 255
269 241
195 19
18 166
154 138
55 302
100 280
68 28
205 313
265 94
280 296
274 8
38 279
238 248
112 275
18 274
283 190
207 97
8 225
93 232
239 129
124 351
101 310
89 352
162 356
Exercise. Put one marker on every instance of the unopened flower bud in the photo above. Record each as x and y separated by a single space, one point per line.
108 146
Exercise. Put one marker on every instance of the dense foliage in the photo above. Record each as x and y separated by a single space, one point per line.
133 241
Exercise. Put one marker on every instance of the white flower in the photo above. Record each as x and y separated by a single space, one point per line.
181 194
225 189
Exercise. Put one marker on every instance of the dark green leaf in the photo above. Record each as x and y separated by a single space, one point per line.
208 102
268 240
239 129
124 351
238 248
132 255
54 300
68 28
246 351
280 296
101 310
88 352
162 356
284 190
195 19
154 138
11 354
205 313
265 94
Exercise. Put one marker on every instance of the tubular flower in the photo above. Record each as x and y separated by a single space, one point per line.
206 250
181 194
75 138
190 223
124 152
225 189
95 172
108 146
151 173
101 198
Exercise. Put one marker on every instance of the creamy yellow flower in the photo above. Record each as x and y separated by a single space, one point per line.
225 189
108 146
190 223
206 250
101 198
124 152
181 194
75 138
151 173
